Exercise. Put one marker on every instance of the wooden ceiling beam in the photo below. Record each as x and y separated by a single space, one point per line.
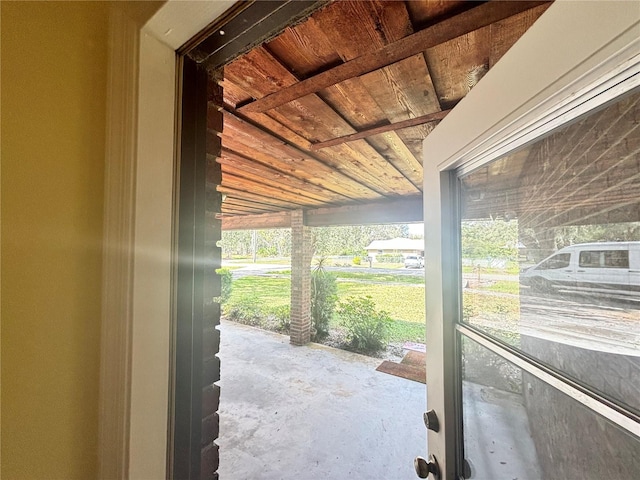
464 23
265 200
412 122
229 203
304 195
407 210
292 199
234 161
257 222
250 204
232 210
316 119
296 161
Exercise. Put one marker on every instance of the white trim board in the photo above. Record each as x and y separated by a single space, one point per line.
139 193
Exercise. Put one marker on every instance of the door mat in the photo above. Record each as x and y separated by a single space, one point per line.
417 359
412 367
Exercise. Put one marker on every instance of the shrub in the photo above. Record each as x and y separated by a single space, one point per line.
357 260
388 258
246 311
324 293
226 281
282 315
367 328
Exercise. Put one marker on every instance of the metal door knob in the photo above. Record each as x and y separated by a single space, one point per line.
424 468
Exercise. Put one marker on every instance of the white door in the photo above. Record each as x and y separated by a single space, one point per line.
542 387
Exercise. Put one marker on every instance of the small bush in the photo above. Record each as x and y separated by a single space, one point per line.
282 316
246 311
324 293
367 328
226 280
387 258
357 260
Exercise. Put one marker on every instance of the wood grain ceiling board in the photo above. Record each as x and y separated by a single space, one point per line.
315 120
481 16
233 95
397 92
458 64
305 49
379 23
506 32
241 166
355 27
246 194
253 143
274 147
240 204
429 12
229 207
236 178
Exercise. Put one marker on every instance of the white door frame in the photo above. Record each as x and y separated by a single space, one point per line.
138 236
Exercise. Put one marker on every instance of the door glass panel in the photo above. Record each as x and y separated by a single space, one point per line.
550 239
518 427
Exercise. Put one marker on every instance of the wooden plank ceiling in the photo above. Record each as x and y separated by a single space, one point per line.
332 112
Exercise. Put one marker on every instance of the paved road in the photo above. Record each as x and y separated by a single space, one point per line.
252 269
265 269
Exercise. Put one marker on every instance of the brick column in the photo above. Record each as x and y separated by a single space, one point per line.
301 254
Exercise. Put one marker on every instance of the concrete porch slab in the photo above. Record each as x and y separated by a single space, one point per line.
313 412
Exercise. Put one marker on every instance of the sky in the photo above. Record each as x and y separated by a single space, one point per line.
416 229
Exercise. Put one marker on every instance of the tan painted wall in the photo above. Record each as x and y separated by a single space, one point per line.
54 65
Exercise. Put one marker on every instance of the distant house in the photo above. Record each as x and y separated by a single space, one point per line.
396 246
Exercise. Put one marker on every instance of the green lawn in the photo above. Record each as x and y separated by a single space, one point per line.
405 303
402 302
370 277
268 291
504 286
512 269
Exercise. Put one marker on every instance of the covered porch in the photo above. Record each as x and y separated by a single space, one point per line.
322 122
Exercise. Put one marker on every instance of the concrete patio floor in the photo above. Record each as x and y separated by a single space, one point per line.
313 412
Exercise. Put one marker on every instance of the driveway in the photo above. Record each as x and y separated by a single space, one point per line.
313 412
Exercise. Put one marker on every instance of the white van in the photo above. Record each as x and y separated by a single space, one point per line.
607 267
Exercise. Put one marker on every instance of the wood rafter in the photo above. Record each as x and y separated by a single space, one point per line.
416 43
261 199
412 122
359 140
400 211
367 166
262 188
237 164
292 160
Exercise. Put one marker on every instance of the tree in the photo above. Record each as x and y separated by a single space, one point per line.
353 239
235 242
490 239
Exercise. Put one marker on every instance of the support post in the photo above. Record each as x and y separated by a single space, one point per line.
301 253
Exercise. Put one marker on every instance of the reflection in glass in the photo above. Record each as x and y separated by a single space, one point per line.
518 427
551 250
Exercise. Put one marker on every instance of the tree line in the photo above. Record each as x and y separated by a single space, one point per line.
343 240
